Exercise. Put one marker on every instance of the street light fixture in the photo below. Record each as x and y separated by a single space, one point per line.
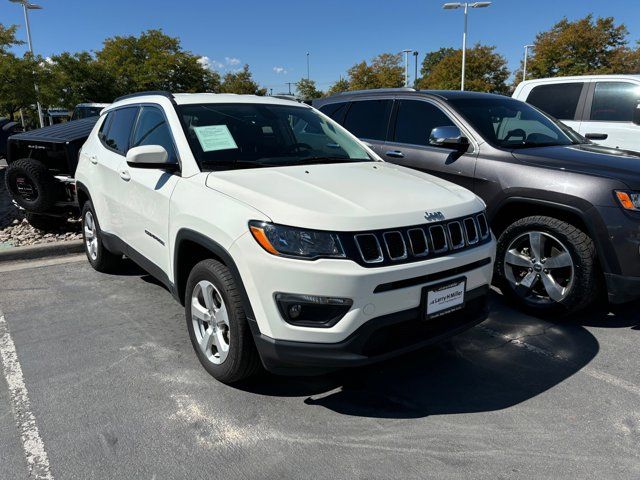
466 6
524 66
26 5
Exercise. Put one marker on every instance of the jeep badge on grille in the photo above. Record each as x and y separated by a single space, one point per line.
434 216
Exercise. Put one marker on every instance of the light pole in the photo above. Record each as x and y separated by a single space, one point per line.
26 5
308 66
466 6
524 66
406 66
415 77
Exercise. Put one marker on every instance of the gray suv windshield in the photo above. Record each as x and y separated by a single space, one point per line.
511 124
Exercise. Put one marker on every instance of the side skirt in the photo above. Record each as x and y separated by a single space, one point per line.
115 244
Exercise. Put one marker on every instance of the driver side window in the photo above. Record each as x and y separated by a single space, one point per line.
416 120
152 129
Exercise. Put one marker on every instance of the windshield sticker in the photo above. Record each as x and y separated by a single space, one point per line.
215 137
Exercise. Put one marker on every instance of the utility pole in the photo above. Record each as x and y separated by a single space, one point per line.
524 66
415 78
289 83
406 66
308 66
26 5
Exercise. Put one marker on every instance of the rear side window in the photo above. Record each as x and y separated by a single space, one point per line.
560 100
152 129
117 129
416 119
615 101
335 111
368 119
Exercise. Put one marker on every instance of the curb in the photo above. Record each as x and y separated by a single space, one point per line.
53 249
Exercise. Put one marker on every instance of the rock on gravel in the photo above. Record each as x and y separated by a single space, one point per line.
16 231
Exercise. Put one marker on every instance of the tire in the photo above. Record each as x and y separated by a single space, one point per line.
45 223
228 352
563 281
31 185
99 257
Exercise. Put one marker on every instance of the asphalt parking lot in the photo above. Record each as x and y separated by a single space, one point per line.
115 391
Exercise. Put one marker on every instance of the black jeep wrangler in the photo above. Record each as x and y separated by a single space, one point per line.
40 168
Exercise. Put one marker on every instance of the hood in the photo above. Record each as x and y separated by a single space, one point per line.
589 159
345 197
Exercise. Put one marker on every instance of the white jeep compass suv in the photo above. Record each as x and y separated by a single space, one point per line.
290 243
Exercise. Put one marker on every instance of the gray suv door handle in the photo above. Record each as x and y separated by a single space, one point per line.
93 159
394 154
596 136
125 175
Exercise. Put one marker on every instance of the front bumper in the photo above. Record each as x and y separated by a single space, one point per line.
378 339
375 292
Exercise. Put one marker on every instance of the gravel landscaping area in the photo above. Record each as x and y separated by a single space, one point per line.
15 231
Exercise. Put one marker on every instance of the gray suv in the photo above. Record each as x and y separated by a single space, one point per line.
566 211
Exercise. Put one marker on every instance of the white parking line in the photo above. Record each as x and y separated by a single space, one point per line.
32 444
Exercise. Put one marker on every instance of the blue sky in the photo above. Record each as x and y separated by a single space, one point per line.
273 37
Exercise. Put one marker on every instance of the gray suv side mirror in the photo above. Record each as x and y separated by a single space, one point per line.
449 137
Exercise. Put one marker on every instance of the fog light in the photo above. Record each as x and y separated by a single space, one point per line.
295 311
312 310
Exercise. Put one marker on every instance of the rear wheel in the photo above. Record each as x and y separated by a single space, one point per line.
31 185
217 323
547 265
99 257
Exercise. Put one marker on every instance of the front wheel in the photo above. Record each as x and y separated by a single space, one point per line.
217 323
547 265
99 257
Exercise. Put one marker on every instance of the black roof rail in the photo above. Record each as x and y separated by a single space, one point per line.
162 93
379 90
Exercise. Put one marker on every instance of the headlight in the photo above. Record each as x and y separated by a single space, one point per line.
628 200
296 242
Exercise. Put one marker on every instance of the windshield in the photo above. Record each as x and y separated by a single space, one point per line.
249 135
509 123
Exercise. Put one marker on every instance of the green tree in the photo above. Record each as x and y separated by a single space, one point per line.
585 46
8 38
385 71
431 59
341 85
307 89
154 61
241 82
17 78
485 71
75 78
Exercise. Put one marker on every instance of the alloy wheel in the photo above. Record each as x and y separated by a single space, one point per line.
91 235
539 268
210 321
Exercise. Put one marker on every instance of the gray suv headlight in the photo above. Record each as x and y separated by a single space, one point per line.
296 242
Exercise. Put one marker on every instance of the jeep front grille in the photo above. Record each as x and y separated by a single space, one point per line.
387 247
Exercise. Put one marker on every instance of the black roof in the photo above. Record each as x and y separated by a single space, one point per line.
444 94
60 133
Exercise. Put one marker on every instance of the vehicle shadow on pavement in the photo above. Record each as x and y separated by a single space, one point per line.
619 316
509 358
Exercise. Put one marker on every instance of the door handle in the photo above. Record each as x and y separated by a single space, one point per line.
394 154
125 175
596 136
93 159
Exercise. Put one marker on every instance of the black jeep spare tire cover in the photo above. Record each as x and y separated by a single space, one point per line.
31 184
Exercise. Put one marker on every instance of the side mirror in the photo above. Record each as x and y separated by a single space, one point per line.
449 137
636 114
149 156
